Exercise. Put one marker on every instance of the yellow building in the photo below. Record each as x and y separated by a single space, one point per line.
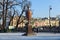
37 23
46 23
14 22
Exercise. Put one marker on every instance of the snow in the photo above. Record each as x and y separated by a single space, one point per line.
38 36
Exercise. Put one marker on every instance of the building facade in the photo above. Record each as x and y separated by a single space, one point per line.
36 23
46 23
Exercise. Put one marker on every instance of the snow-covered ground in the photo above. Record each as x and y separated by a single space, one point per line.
38 36
47 34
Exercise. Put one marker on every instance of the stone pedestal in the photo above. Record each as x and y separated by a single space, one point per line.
29 31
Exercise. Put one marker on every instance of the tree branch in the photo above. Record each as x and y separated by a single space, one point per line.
1 3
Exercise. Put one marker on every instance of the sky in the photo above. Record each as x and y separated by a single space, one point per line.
40 8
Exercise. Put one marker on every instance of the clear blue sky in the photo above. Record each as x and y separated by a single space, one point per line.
40 8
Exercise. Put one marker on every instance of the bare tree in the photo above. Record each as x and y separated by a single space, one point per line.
10 4
5 6
25 4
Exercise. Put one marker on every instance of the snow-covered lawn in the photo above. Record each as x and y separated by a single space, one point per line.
38 36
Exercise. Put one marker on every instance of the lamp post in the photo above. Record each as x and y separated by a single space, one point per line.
49 15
